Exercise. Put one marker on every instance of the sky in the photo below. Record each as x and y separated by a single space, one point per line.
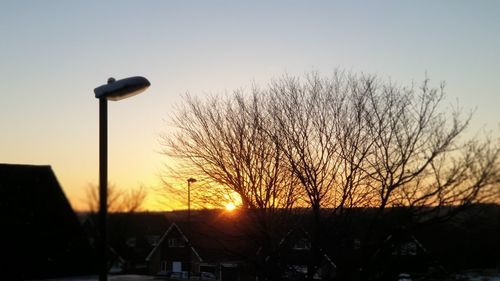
54 53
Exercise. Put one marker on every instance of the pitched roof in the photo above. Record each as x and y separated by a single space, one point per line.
173 227
299 256
131 236
215 235
41 234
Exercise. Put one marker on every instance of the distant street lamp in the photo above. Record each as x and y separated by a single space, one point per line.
189 182
114 90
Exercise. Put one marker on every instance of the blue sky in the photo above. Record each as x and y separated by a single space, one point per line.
54 53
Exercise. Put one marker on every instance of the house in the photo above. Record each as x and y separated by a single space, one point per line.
210 246
294 258
131 237
403 254
174 253
41 235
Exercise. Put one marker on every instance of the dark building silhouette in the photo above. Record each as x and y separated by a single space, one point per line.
294 255
226 246
41 235
213 245
131 237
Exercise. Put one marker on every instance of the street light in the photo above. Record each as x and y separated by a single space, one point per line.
114 90
189 182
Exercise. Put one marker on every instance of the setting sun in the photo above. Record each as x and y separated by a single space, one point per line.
230 206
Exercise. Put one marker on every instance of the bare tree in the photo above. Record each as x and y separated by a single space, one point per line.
334 143
420 156
223 143
357 141
118 200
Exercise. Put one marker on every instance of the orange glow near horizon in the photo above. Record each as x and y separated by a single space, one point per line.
230 206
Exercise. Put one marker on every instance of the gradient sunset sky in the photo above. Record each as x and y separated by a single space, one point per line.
54 53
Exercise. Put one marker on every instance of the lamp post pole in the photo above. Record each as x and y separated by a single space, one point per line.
189 181
113 90
103 186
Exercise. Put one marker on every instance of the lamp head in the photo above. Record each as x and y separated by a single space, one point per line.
120 89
